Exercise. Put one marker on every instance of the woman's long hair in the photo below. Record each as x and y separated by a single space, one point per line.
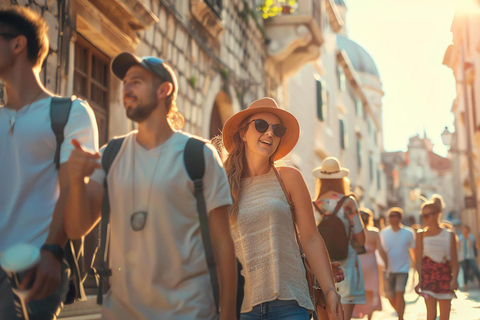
341 186
235 165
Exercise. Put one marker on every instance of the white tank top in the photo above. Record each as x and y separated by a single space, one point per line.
437 247
265 245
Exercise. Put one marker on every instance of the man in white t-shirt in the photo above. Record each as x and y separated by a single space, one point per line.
156 252
398 242
466 255
32 190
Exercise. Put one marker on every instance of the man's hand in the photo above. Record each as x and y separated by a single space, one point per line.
338 273
82 163
47 277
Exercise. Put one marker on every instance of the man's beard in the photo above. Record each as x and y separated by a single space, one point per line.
141 112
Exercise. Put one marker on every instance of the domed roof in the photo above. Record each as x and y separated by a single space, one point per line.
340 3
361 60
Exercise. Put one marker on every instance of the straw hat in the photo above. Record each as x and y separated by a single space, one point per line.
330 169
268 105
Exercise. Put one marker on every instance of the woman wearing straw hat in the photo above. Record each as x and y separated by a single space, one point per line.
332 186
261 217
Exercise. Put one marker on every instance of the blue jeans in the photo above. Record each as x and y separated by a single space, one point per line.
277 310
45 309
467 265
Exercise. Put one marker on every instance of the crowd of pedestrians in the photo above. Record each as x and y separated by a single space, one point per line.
237 241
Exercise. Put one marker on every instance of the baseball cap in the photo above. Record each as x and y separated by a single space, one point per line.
125 60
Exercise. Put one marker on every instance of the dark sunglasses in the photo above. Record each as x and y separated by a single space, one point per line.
394 215
262 126
8 35
156 66
426 215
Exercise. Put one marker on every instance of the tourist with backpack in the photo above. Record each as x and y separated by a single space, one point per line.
36 130
154 249
341 228
270 204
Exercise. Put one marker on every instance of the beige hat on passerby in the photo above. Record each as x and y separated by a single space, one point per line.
330 169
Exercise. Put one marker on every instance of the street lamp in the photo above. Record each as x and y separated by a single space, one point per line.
447 138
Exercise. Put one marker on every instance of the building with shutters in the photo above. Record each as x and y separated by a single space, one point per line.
224 53
337 99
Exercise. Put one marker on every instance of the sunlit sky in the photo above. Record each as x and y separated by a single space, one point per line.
407 40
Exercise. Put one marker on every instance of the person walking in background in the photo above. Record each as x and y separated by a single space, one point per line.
467 254
369 267
33 164
333 186
398 242
157 256
262 221
436 261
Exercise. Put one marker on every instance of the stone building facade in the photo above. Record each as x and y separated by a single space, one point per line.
419 173
337 99
463 58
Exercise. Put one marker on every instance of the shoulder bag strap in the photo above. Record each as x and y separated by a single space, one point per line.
103 270
195 164
59 113
292 208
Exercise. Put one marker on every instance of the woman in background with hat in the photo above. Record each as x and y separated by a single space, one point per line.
332 186
261 217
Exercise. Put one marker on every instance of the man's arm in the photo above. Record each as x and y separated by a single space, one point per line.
224 253
84 201
380 249
48 271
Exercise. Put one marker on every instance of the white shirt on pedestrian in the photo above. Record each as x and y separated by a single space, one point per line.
397 246
160 272
29 187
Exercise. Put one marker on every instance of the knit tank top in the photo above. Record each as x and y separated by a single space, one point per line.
265 245
437 247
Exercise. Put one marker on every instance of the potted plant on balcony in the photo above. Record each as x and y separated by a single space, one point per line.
271 8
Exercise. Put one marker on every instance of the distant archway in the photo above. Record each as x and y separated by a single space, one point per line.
221 111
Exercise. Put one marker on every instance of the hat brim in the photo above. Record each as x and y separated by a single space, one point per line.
317 173
287 142
123 62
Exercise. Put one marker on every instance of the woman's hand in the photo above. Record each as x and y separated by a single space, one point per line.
334 305
453 284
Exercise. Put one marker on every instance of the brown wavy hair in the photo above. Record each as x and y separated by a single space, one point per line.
235 165
341 186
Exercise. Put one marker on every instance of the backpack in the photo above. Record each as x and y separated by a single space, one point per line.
195 165
333 232
59 112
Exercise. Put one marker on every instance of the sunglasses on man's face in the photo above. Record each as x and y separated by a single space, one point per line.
262 126
8 35
394 215
425 215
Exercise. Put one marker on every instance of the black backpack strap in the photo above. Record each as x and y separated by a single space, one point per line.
103 270
59 112
195 165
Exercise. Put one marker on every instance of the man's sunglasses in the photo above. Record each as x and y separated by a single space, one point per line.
394 215
262 126
8 35
156 66
427 214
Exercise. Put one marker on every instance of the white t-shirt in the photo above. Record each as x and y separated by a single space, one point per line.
160 272
29 186
397 245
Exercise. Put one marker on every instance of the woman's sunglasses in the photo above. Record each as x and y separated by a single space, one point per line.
262 126
427 214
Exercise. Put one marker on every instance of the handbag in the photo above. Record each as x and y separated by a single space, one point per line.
316 294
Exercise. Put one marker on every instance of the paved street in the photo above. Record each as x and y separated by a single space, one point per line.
465 307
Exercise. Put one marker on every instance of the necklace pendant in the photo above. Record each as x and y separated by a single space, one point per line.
11 121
